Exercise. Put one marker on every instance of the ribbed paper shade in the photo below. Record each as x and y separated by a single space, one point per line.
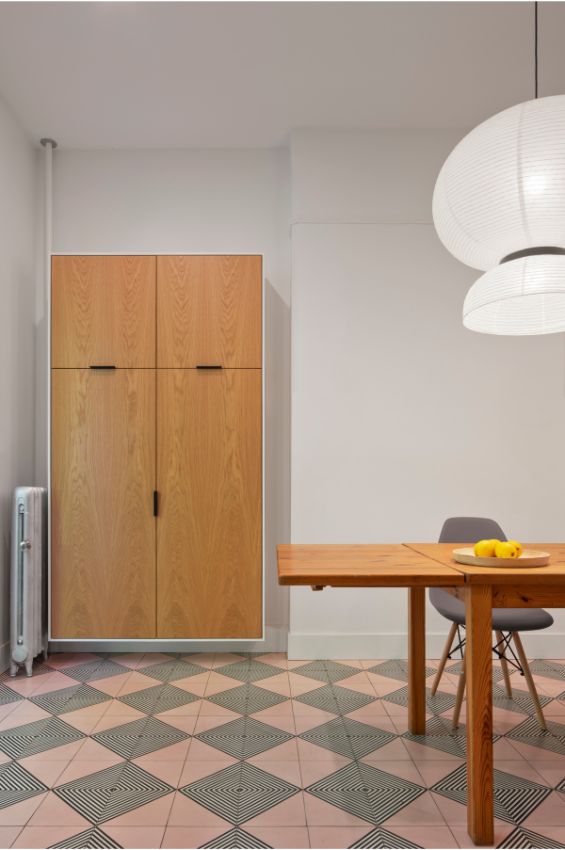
502 189
525 296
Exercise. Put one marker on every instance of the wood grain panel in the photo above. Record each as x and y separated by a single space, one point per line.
209 562
417 660
478 666
103 311
361 565
209 311
103 529
513 577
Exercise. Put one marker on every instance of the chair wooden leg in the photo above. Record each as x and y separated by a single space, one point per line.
460 694
504 665
529 679
443 661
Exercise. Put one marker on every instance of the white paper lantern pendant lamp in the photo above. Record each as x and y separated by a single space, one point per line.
499 205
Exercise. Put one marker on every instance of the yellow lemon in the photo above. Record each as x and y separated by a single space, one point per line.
518 546
484 549
505 550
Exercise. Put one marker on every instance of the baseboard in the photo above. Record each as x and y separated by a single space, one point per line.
274 641
4 656
310 646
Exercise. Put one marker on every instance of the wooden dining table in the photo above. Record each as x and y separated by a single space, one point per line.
418 566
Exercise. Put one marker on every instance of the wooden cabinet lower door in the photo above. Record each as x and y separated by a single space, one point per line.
103 568
209 547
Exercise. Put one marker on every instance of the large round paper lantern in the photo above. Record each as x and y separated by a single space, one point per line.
499 205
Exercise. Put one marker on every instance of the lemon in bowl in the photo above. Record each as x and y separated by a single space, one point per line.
485 548
506 549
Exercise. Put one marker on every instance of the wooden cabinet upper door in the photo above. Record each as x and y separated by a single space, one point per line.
103 312
209 529
102 524
209 311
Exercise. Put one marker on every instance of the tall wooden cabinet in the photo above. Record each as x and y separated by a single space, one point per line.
156 447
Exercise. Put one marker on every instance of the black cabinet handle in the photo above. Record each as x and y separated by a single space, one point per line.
102 367
155 503
208 367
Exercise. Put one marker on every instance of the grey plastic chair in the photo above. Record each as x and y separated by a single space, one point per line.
506 622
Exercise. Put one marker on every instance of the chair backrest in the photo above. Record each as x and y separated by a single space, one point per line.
469 529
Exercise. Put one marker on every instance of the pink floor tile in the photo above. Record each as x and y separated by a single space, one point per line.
418 752
406 769
551 772
223 658
284 752
275 659
8 835
305 722
112 685
193 684
290 812
130 659
210 709
26 714
136 836
54 811
281 837
199 751
338 837
217 684
167 771
155 813
312 752
287 770
535 754
550 812
395 751
192 709
93 751
204 659
44 836
60 660
426 836
189 837
52 682
501 831
434 771
117 708
278 684
195 770
24 686
359 682
383 685
285 724
47 772
184 723
185 812
151 658
320 813
421 812
206 722
78 768
136 681
372 709
174 752
20 813
83 720
109 721
302 684
313 771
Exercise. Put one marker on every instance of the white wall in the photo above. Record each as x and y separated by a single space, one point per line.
194 201
401 417
17 294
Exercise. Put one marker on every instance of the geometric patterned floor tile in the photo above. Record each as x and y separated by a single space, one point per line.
529 732
348 737
16 784
31 738
326 671
7 695
548 669
90 671
235 837
248 671
381 837
69 699
335 698
247 699
111 792
139 737
157 699
239 792
520 701
396 669
170 671
90 838
366 792
521 837
244 737
515 798
440 735
437 704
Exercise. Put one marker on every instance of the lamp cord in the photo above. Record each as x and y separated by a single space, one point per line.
536 49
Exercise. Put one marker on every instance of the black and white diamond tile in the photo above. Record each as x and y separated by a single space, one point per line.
17 784
7 695
515 798
348 737
235 838
249 671
548 669
247 699
170 671
70 699
366 792
396 669
112 792
521 701
326 671
521 837
90 838
441 736
529 732
31 738
381 837
437 704
244 737
90 671
139 737
335 698
239 792
159 698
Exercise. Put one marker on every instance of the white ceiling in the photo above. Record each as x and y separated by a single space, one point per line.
171 75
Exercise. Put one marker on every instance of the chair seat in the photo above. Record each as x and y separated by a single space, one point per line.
503 619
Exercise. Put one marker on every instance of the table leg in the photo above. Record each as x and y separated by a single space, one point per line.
417 660
480 811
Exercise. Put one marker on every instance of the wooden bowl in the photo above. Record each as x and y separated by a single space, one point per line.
528 558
